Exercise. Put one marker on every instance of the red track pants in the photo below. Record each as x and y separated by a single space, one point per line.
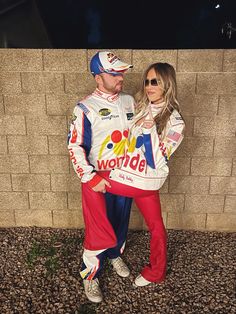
99 233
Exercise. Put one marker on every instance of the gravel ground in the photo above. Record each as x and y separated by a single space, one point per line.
39 269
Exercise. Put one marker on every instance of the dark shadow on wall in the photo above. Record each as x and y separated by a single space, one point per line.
21 25
93 24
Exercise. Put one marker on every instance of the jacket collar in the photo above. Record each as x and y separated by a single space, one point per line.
108 97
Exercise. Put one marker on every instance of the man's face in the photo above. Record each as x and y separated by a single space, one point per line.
109 83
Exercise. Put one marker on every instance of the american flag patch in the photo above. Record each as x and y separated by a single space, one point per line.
174 136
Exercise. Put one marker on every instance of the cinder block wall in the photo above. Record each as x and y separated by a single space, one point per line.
38 91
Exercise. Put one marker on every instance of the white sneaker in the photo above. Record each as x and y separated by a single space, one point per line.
92 290
140 281
120 267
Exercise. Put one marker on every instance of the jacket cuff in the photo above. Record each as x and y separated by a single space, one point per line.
94 181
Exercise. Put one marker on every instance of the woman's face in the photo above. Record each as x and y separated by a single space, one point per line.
153 88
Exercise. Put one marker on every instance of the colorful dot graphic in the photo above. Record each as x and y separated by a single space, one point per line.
117 141
116 136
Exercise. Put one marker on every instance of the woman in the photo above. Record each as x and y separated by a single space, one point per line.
156 132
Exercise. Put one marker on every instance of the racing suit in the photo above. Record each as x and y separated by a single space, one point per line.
143 171
96 142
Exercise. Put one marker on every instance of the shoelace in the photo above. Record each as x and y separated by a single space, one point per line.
119 263
93 286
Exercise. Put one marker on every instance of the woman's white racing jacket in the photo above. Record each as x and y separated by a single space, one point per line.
145 163
98 133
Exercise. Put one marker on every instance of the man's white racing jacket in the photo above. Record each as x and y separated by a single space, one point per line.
99 132
145 163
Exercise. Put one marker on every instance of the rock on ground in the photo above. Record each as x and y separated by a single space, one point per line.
39 273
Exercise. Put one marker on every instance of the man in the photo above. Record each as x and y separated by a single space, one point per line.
97 137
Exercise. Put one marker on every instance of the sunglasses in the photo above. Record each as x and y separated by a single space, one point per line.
153 82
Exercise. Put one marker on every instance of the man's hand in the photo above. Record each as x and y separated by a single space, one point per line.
101 186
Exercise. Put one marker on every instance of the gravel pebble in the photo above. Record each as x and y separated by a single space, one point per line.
39 273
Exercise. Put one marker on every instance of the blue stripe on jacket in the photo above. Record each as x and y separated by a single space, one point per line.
147 141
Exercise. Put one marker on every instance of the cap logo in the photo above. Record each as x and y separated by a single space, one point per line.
112 58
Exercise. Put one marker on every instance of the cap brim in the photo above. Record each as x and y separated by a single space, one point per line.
119 68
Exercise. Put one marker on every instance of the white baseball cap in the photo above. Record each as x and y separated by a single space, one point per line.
107 62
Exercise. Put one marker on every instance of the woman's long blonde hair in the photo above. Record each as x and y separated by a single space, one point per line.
168 84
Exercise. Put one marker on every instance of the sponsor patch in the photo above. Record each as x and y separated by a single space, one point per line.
129 115
104 112
112 116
